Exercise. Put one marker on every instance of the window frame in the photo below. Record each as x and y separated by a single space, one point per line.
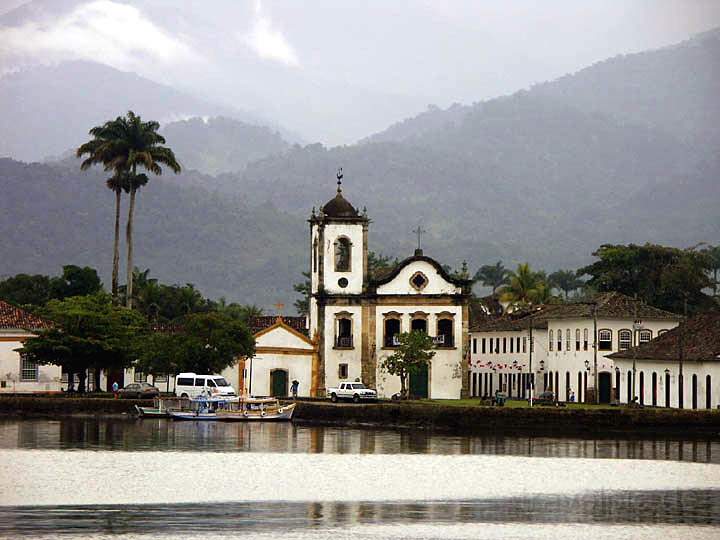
600 341
348 342
34 368
344 241
450 318
625 339
387 317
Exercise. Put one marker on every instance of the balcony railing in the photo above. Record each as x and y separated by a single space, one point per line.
439 341
344 342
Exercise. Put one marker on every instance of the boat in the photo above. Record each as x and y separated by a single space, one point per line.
234 410
161 407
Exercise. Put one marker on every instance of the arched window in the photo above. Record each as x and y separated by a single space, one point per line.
344 330
567 340
661 332
624 339
559 341
645 336
577 339
342 254
605 340
585 339
708 392
418 322
315 255
567 386
392 329
550 344
445 334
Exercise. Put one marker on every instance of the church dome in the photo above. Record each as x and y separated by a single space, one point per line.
339 207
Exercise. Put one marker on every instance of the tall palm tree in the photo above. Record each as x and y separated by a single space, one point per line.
492 275
99 151
525 287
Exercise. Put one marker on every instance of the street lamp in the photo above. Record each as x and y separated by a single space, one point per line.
542 365
587 365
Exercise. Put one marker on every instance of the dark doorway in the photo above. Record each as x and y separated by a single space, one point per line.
419 383
279 383
642 388
694 391
654 389
708 392
667 390
605 386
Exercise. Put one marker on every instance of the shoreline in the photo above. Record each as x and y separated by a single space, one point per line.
451 419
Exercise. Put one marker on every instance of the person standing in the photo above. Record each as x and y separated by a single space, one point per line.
294 388
115 388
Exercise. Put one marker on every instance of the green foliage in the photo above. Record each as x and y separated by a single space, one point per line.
302 304
713 255
661 276
379 264
492 275
526 287
205 343
566 281
414 352
37 290
90 333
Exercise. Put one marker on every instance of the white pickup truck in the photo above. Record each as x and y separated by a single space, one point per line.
355 391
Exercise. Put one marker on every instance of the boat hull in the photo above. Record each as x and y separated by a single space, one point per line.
284 414
194 416
151 412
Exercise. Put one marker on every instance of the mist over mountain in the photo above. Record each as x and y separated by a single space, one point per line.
218 145
545 176
48 109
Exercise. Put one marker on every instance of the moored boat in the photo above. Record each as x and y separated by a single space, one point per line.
234 410
161 407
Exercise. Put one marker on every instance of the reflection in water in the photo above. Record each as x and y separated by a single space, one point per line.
693 508
159 434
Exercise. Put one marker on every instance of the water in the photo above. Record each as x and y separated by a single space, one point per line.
124 478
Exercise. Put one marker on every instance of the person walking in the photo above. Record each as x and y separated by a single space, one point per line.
294 388
115 388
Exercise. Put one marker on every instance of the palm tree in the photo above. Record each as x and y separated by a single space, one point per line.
525 287
566 281
99 151
492 275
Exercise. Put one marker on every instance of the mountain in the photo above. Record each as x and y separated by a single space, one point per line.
53 214
218 145
48 109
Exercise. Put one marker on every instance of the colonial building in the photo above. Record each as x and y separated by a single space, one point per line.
570 340
693 349
17 373
355 317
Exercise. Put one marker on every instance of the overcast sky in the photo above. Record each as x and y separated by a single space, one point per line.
335 71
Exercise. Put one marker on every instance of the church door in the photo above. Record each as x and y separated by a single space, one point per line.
419 383
279 383
605 383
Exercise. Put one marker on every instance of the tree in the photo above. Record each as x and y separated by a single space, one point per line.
205 343
525 287
565 280
90 333
661 276
413 352
379 263
75 281
123 145
26 290
492 275
302 304
713 254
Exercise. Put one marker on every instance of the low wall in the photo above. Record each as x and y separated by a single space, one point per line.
50 406
513 420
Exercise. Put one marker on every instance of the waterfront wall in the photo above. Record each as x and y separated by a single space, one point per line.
512 420
61 405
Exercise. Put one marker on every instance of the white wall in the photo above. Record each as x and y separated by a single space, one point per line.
648 367
298 366
48 376
401 283
334 357
445 374
353 231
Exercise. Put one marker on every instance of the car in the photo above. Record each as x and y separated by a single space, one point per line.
141 390
192 385
355 391
545 398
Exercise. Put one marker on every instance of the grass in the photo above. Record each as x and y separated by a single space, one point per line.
510 404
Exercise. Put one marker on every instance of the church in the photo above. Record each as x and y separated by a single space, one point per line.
354 318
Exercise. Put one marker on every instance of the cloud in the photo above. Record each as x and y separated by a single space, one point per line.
269 43
103 31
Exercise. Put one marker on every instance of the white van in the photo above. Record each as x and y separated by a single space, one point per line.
191 385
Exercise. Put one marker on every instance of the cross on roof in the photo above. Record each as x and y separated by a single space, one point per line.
339 178
419 231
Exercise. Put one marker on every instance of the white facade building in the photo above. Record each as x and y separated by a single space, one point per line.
564 353
354 317
17 373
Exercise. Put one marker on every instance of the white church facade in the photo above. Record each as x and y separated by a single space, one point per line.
354 317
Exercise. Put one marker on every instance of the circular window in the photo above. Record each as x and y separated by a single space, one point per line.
343 282
419 281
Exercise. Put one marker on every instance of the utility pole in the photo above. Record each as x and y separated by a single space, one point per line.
595 376
532 375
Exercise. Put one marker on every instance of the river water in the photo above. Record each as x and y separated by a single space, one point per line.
126 478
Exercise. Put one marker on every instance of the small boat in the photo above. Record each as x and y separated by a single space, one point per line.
235 410
161 407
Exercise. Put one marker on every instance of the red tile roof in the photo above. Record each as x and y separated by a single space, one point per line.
700 337
12 317
261 323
